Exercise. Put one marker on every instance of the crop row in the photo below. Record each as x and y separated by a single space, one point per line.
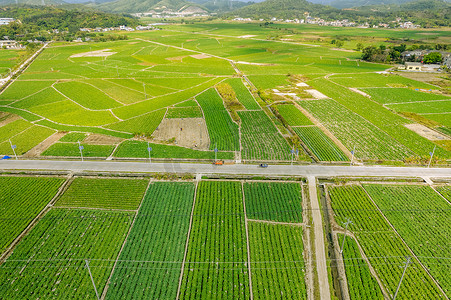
260 138
421 217
320 144
242 93
215 262
21 199
150 264
292 115
280 202
379 241
222 130
50 261
354 131
361 283
104 193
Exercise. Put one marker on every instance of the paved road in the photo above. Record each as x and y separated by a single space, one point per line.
238 169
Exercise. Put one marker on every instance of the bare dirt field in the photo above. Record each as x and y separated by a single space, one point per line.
200 56
427 132
6 118
100 139
97 53
316 94
191 133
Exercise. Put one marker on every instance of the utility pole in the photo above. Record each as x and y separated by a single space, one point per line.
92 279
432 154
80 147
352 157
292 154
406 264
145 94
148 150
216 152
344 237
14 148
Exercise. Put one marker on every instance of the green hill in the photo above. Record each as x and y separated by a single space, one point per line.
141 6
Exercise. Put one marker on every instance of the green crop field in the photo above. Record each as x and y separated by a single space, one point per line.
279 270
361 284
26 140
57 268
400 95
138 149
157 74
73 137
184 112
242 93
104 193
217 235
280 202
150 264
354 131
72 150
420 216
22 199
385 250
260 138
222 130
320 144
293 116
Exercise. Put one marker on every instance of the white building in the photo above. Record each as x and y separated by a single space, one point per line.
6 21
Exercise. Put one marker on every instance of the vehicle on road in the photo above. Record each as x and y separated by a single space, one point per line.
263 165
219 162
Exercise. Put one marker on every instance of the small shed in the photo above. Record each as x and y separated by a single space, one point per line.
413 66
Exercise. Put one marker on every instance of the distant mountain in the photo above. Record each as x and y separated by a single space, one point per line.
31 2
221 5
142 6
358 3
283 9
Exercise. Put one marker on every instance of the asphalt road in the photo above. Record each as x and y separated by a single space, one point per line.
237 169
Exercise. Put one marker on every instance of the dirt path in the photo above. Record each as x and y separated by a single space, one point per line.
321 266
44 145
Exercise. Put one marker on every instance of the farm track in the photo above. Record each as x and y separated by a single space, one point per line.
321 266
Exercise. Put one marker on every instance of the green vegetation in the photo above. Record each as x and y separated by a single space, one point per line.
421 218
384 248
72 150
397 95
279 202
320 144
142 125
57 268
26 140
292 115
104 193
73 137
260 138
263 82
277 264
21 199
361 284
215 262
150 263
184 112
222 130
242 93
139 149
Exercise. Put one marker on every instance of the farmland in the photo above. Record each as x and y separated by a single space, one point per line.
386 244
23 198
174 72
